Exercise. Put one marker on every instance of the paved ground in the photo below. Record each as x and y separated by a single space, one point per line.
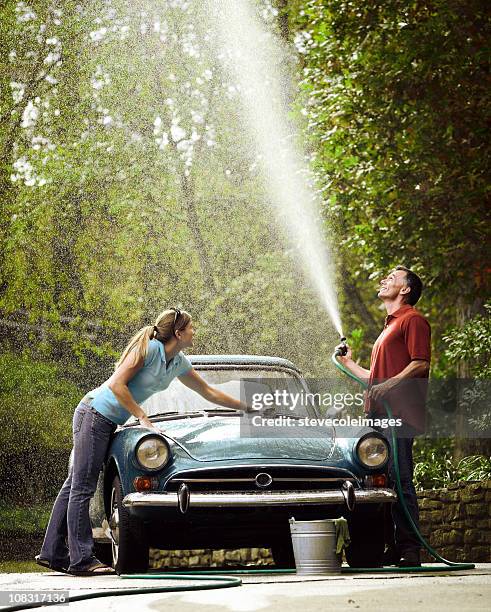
449 591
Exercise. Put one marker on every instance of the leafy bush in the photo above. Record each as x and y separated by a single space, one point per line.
36 408
435 468
31 519
472 343
36 404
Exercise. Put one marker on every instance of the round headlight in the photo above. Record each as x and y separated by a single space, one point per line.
152 453
373 451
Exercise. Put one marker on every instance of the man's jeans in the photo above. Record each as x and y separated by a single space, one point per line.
403 538
69 522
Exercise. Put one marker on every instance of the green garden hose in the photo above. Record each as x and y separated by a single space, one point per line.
219 582
450 565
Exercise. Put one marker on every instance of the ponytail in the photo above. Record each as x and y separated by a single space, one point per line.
164 329
138 344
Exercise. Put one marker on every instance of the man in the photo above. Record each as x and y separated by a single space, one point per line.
398 374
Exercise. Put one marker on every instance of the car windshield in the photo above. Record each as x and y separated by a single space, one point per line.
246 383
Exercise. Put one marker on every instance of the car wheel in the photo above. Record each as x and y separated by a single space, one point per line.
367 539
129 536
283 556
103 552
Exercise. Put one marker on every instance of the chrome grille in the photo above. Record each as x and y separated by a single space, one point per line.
245 478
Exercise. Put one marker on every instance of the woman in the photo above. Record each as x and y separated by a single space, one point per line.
150 361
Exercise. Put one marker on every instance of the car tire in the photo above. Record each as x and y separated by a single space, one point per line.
129 536
103 552
367 539
283 556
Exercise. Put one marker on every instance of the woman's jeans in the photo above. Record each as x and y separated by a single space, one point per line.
68 540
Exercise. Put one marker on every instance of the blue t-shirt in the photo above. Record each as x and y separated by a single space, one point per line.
155 375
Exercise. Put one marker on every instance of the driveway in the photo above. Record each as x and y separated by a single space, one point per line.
449 591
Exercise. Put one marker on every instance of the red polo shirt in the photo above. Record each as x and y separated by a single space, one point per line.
406 336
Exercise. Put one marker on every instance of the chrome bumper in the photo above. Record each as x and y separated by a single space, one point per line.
238 499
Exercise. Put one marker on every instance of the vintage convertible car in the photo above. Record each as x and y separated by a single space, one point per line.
203 483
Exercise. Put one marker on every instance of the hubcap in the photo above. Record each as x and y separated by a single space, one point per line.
114 526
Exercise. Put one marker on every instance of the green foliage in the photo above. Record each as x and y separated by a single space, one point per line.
396 96
116 215
434 466
356 339
26 520
20 567
106 218
472 343
293 327
36 406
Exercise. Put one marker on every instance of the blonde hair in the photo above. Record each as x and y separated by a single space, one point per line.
163 330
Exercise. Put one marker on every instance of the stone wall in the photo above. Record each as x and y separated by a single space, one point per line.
210 558
455 520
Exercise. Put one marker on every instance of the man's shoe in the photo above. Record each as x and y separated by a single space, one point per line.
391 557
410 558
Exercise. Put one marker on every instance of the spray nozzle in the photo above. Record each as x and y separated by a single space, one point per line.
341 349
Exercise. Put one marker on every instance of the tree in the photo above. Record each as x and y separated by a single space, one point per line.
396 97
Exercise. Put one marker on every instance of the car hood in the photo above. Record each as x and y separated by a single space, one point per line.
220 438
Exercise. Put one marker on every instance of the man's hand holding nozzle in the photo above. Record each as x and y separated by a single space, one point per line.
343 352
343 355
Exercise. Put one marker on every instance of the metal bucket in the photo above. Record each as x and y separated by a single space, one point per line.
314 546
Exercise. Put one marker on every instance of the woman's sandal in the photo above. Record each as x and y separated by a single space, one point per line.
96 569
45 563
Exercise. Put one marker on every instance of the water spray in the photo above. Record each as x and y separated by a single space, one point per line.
254 60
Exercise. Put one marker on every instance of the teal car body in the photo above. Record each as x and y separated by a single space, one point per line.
220 488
